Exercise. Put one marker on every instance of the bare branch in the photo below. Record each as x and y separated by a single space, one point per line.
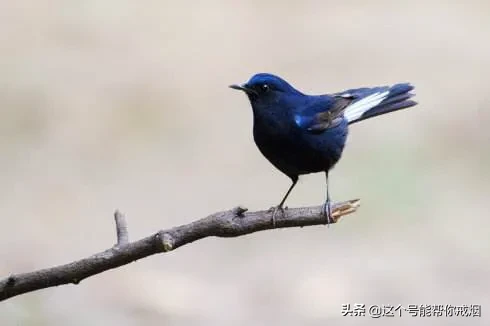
231 223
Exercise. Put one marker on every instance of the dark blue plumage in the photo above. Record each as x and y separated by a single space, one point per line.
301 134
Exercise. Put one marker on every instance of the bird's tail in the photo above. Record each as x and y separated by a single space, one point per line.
370 102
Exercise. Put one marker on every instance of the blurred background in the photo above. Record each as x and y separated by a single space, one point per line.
122 104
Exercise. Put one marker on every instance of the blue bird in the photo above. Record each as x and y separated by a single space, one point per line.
301 134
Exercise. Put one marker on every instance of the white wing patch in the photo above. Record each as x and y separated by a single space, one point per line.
357 109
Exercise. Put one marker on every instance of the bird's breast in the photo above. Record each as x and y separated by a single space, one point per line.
295 151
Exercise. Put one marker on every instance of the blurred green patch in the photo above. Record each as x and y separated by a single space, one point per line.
391 181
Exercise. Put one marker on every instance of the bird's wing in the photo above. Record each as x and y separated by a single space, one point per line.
324 113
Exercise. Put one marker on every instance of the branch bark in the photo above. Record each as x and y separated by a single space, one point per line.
232 223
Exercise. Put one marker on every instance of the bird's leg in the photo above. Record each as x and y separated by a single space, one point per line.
279 207
327 208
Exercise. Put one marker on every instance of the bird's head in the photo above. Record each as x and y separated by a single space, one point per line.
265 89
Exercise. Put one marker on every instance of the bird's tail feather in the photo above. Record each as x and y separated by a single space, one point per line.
370 102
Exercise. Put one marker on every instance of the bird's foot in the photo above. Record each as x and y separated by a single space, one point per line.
327 212
276 209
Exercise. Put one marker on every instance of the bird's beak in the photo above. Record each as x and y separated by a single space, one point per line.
244 88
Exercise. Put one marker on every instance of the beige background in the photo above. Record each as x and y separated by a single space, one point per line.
124 104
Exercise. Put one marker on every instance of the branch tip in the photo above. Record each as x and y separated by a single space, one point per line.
121 229
346 208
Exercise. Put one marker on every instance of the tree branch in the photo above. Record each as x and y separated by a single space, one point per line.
231 223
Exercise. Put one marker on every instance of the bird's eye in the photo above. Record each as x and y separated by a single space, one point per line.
265 87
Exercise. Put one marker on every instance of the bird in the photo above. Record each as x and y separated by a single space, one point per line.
302 134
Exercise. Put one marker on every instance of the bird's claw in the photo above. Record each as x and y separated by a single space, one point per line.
276 209
327 212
